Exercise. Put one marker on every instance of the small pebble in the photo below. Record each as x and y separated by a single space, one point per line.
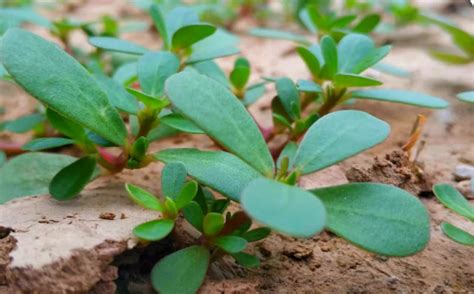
463 172
107 215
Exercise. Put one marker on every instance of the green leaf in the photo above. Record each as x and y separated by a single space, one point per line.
70 181
287 209
160 24
219 170
289 97
277 34
179 17
143 198
154 230
3 159
337 136
357 53
153 70
246 260
210 69
401 96
24 14
46 143
178 122
290 152
186 195
309 86
81 99
189 265
456 234
212 224
32 174
347 80
452 199
367 24
377 217
451 58
149 101
117 95
139 149
240 74
173 177
310 60
217 45
253 93
256 234
25 123
216 111
126 73
117 45
231 244
194 215
391 70
186 36
330 54
466 96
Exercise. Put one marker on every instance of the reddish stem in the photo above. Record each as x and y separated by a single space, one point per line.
111 162
11 148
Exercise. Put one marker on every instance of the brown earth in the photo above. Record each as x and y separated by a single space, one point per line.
322 264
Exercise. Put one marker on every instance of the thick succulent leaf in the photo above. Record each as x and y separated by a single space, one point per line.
56 79
153 70
126 73
309 86
277 34
186 36
367 24
331 59
46 143
290 152
160 24
246 260
143 198
194 215
25 123
149 101
346 80
173 178
70 180
24 14
188 265
213 223
117 95
391 70
451 58
179 17
337 136
186 195
154 230
3 159
253 93
452 199
240 75
219 170
377 217
30 174
310 60
117 45
177 121
66 126
466 96
215 110
256 234
289 97
231 244
211 69
287 209
219 44
401 96
456 234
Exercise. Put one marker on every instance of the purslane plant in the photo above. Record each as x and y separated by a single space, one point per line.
456 202
379 218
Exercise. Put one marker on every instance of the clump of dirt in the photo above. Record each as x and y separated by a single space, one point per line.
394 168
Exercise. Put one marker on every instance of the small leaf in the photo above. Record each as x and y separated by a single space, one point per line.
289 151
126 73
32 174
456 234
246 260
143 198
401 96
233 173
153 70
466 96
189 265
337 136
154 230
139 148
377 217
289 97
451 58
25 123
330 54
194 215
178 122
66 126
310 60
367 24
160 24
253 93
149 101
117 45
118 96
256 234
179 17
212 224
231 244
186 195
173 177
220 205
309 86
46 143
342 80
277 34
219 44
210 69
3 159
291 211
215 110
186 36
70 181
452 199
240 74
391 70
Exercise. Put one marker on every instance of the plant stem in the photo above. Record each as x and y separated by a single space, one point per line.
11 148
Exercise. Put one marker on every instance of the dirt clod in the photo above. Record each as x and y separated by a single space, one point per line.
107 215
298 251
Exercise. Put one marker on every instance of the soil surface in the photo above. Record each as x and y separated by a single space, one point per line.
322 264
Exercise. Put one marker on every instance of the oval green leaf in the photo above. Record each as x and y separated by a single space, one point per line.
456 234
212 224
117 95
452 199
401 96
143 198
194 215
231 244
338 136
466 96
347 80
330 54
186 195
217 45
287 209
173 177
377 217
153 70
46 143
186 36
117 45
25 123
310 60
154 230
215 110
178 122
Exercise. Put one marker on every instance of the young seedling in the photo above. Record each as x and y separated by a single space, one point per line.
221 233
362 213
453 200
